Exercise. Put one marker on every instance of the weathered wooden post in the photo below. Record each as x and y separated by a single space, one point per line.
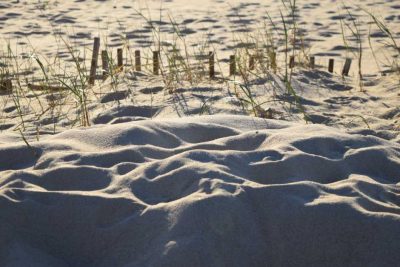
331 65
232 65
120 58
291 62
346 67
138 64
156 62
273 64
211 64
252 62
104 63
95 55
312 62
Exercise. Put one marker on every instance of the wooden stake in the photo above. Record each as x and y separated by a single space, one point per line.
312 62
291 62
211 64
95 55
273 62
346 67
331 65
104 62
138 64
120 58
252 62
232 65
156 62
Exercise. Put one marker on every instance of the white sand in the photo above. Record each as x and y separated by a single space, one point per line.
225 23
153 183
208 191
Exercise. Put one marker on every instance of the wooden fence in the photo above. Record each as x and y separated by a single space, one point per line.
6 84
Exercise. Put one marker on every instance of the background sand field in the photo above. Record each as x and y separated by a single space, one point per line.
223 23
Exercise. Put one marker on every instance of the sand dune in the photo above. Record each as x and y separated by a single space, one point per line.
201 191
255 169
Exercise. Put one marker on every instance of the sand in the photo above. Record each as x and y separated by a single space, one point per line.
224 23
189 176
140 96
208 191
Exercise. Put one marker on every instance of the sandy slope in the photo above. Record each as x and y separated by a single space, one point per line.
326 99
208 191
153 183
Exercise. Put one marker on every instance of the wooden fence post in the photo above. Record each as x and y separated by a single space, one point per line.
156 62
211 64
273 63
120 58
104 60
291 62
138 64
232 65
95 55
312 62
331 65
346 67
252 62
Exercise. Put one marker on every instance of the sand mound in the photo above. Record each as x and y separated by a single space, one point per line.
201 191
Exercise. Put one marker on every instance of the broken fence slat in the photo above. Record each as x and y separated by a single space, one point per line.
346 67
156 62
273 63
211 64
331 65
232 65
120 58
104 60
291 62
252 62
138 64
95 55
312 62
36 87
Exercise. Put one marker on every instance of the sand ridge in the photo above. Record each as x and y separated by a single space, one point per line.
202 190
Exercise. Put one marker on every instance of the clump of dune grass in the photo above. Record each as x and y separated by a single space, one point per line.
389 43
355 33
